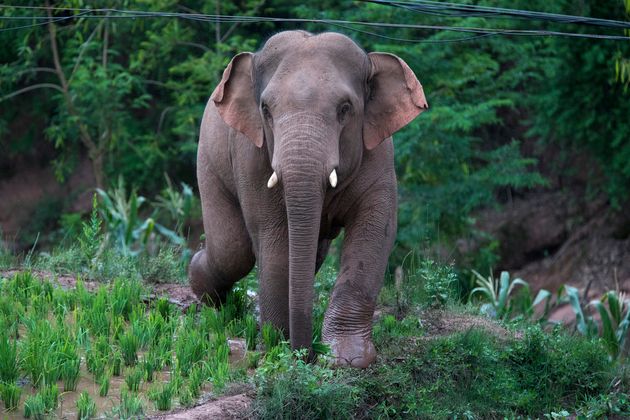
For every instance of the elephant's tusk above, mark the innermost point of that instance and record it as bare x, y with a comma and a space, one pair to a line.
273, 180
333, 178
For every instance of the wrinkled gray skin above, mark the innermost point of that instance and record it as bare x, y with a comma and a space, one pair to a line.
302, 106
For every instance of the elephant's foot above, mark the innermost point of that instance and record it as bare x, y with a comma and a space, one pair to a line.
354, 350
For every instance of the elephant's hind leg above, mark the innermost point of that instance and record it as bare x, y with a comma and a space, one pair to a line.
227, 256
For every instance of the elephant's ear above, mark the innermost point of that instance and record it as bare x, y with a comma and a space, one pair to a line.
234, 98
396, 98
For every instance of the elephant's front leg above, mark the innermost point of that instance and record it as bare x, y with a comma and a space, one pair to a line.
273, 279
369, 239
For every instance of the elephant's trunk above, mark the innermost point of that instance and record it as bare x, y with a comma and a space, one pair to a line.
303, 161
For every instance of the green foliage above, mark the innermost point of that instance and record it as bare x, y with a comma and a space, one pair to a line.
90, 239
271, 336
189, 349
70, 371
130, 407
86, 406
125, 227
177, 206
8, 359
34, 407
498, 292
11, 394
476, 375
163, 396
251, 332
614, 311
612, 405
439, 281
103, 385
288, 387
134, 378
585, 110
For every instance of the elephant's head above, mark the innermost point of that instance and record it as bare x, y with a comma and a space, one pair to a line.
317, 102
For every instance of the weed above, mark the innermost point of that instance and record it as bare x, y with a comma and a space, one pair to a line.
615, 405
163, 396
11, 394
438, 282
86, 407
133, 378
90, 238
167, 266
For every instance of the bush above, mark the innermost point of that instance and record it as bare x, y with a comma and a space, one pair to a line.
289, 388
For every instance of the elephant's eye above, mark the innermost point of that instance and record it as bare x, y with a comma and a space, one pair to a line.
343, 111
266, 113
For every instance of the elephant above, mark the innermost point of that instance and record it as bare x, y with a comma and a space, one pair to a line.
295, 145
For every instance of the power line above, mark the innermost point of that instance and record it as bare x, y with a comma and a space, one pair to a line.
110, 13
470, 10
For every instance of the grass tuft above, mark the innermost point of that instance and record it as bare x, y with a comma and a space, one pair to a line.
11, 394
86, 407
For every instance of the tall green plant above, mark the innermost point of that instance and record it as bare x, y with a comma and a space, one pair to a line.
498, 292
614, 312
126, 226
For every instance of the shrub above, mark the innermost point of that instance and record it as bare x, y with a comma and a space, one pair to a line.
288, 387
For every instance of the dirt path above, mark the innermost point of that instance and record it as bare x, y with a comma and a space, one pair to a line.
232, 407
178, 294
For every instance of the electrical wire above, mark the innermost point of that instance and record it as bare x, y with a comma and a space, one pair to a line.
471, 10
110, 13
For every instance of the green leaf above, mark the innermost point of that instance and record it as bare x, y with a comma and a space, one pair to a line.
608, 331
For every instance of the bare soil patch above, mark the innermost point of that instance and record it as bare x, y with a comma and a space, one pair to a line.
440, 323
230, 407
